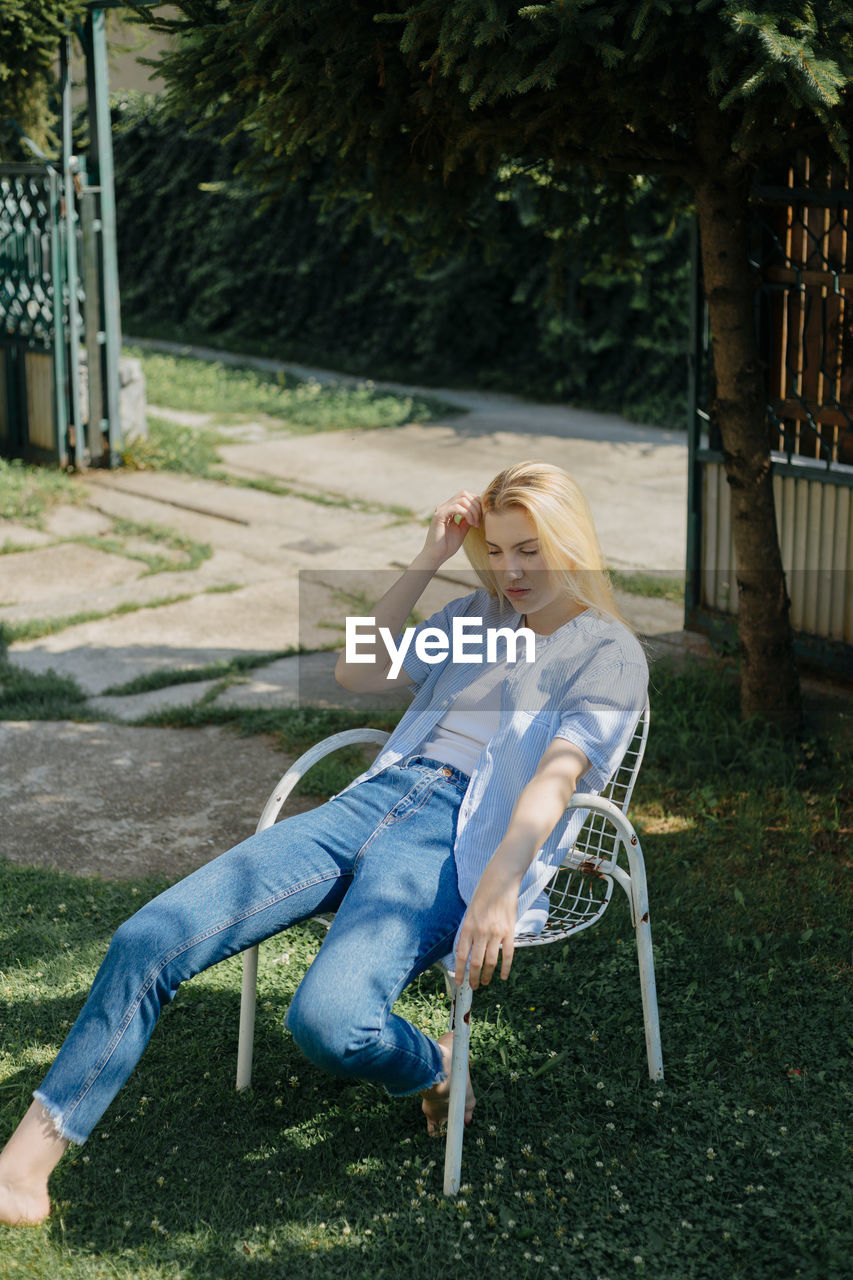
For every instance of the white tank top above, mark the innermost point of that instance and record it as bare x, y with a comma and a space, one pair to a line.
470, 721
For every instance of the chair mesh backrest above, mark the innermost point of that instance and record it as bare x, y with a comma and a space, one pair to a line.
581, 889
597, 839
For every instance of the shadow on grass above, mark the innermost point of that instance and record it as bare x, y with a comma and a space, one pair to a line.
575, 1163
307, 1175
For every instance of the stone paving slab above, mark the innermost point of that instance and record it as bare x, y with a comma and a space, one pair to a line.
98, 666
636, 489
649, 615
77, 522
304, 680
65, 577
185, 497
301, 680
132, 586
136, 706
114, 650
13, 534
268, 534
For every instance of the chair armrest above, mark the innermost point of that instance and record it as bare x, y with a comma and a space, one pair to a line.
634, 883
598, 804
300, 766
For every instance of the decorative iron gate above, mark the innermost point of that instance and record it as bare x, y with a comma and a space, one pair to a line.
53, 218
33, 380
803, 250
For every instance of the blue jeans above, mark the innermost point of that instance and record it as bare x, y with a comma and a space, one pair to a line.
380, 855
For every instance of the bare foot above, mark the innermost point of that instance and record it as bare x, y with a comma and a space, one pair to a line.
22, 1206
26, 1163
436, 1100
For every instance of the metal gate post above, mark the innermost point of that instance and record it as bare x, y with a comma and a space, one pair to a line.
76, 442
92, 290
101, 165
60, 372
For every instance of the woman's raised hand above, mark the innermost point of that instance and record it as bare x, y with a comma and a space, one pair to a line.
447, 530
449, 525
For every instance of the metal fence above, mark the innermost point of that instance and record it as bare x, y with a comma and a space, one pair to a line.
59, 401
33, 408
803, 251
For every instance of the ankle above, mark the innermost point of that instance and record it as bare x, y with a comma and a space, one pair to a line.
18, 1179
33, 1150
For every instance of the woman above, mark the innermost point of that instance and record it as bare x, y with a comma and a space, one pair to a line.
443, 844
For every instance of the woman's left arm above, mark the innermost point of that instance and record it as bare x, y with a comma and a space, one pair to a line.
490, 921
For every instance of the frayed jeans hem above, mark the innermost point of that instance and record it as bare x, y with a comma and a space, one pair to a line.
438, 1078
60, 1128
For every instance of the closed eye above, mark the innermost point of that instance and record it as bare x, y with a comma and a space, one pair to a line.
496, 551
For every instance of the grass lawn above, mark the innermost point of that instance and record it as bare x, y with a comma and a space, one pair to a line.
576, 1164
226, 395
225, 390
27, 492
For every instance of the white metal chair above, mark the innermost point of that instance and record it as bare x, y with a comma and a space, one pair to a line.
578, 897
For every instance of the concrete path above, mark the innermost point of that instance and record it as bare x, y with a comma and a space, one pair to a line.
285, 567
634, 476
242, 572
121, 803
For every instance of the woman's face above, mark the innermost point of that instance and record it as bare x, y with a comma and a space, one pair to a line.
516, 560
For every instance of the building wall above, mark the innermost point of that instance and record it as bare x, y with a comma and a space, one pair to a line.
128, 41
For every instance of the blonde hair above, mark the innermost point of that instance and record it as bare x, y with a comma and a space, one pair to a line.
564, 526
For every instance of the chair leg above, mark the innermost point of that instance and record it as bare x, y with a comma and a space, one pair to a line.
461, 1027
248, 996
650, 1002
450, 984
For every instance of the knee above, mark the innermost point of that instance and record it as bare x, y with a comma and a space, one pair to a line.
133, 938
139, 948
324, 1028
146, 933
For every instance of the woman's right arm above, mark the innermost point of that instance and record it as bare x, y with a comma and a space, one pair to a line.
448, 527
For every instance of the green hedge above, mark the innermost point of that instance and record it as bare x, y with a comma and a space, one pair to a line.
583, 299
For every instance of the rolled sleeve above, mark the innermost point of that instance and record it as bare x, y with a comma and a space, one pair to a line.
601, 713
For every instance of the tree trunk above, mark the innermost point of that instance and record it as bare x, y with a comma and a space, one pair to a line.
769, 682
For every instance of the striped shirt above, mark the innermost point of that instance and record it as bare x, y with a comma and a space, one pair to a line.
587, 684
